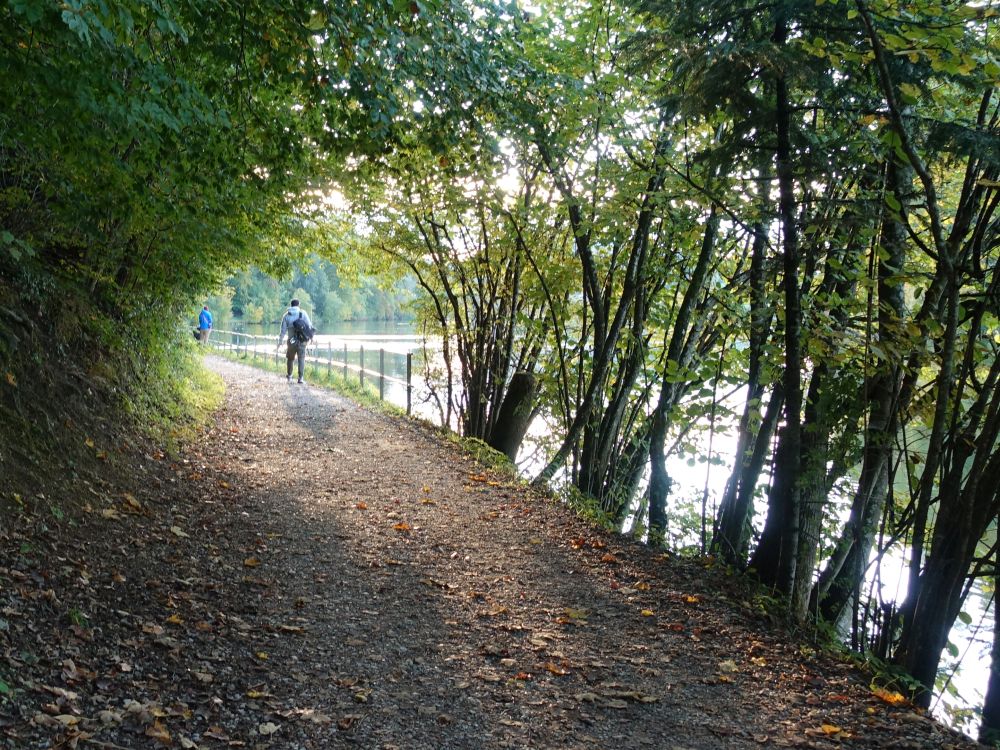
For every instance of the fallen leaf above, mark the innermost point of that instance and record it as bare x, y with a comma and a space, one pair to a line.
830, 729
362, 505
251, 562
158, 732
402, 526
267, 728
178, 531
889, 696
348, 721
647, 613
555, 669
11, 380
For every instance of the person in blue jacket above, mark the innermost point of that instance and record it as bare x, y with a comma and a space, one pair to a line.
296, 348
204, 324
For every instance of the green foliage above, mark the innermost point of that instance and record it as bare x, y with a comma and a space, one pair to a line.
259, 298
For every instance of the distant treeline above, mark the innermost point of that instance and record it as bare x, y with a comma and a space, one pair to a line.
255, 297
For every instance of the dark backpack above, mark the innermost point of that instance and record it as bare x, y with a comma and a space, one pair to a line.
302, 330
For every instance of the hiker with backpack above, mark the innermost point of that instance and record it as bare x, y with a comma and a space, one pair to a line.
204, 325
300, 331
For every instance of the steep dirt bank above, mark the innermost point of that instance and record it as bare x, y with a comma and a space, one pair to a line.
312, 575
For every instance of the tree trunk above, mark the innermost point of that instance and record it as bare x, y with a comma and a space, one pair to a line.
989, 727
733, 540
732, 533
679, 353
775, 557
842, 576
515, 415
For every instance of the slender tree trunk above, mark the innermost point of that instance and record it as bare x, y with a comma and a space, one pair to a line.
680, 342
989, 727
731, 538
775, 557
839, 580
734, 528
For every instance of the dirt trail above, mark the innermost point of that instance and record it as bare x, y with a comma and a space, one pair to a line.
320, 576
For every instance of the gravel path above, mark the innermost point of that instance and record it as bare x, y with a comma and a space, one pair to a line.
315, 575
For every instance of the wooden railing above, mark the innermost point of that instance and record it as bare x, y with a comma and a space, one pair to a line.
251, 346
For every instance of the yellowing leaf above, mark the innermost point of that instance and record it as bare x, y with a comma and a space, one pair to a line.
555, 669
642, 586
262, 655
11, 380
251, 562
131, 500
889, 696
89, 443
607, 557
691, 599
362, 505
158, 732
647, 613
830, 729
402, 526
175, 619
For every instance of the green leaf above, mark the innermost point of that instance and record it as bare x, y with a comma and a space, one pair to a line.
965, 617
317, 21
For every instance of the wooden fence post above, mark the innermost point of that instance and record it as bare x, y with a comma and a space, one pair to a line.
409, 383
381, 374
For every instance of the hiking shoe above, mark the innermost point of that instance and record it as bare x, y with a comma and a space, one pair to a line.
301, 381
288, 378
